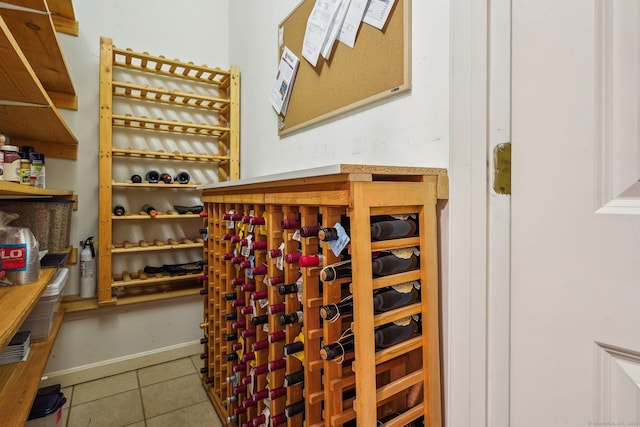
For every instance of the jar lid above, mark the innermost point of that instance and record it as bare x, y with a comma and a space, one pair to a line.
10, 148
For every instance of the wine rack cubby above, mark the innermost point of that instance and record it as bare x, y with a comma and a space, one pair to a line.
166, 128
268, 283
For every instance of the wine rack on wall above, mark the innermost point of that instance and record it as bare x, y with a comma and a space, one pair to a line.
267, 336
166, 128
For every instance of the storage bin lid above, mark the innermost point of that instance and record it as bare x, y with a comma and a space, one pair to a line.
46, 404
56, 285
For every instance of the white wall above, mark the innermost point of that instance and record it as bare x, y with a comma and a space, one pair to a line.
409, 129
193, 30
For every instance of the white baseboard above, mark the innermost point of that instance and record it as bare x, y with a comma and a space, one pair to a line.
94, 371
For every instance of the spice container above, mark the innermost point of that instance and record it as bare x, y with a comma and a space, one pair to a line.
25, 169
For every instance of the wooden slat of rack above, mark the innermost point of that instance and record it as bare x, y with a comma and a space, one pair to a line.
127, 152
146, 93
21, 380
145, 123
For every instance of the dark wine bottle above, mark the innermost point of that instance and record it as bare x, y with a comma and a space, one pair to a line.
231, 357
231, 337
259, 320
332, 311
393, 229
294, 378
230, 296
288, 319
291, 288
335, 271
204, 370
149, 210
338, 349
118, 210
204, 340
294, 409
293, 347
327, 234
391, 264
390, 299
391, 334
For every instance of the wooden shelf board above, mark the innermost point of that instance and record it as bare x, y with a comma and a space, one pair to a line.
21, 380
16, 302
155, 280
189, 157
157, 296
73, 303
14, 189
36, 36
152, 248
163, 96
158, 185
145, 123
64, 18
159, 216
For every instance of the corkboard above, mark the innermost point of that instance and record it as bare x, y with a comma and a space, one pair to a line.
378, 66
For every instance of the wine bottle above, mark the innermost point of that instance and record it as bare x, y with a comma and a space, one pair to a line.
290, 224
259, 420
335, 271
150, 210
260, 345
228, 256
390, 264
258, 295
204, 291
328, 234
259, 370
274, 365
279, 419
239, 389
204, 340
276, 280
209, 380
231, 337
248, 287
291, 288
231, 357
291, 318
333, 311
248, 333
231, 316
237, 346
294, 409
391, 334
275, 253
309, 231
118, 210
292, 257
294, 378
276, 336
277, 392
239, 324
393, 229
310, 260
240, 367
277, 308
259, 270
390, 299
204, 370
338, 349
247, 357
293, 347
259, 320
247, 309
230, 296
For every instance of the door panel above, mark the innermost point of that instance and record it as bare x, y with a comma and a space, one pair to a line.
575, 270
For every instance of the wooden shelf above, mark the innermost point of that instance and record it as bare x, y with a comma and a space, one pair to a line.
159, 216
158, 185
16, 302
173, 97
185, 157
30, 86
19, 190
152, 248
21, 380
155, 280
145, 123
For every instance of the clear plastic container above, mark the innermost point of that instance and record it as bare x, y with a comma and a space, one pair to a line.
41, 318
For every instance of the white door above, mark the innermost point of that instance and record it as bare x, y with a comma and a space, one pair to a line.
575, 288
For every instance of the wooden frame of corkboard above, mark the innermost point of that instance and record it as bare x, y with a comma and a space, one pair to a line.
378, 66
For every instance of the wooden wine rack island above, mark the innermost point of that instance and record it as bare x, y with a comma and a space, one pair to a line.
244, 374
198, 131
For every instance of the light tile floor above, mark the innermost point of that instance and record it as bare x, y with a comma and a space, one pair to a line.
165, 395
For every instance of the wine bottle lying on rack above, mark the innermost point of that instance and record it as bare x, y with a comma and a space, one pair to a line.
385, 336
393, 229
383, 265
385, 300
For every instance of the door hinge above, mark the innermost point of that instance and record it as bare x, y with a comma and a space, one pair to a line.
502, 168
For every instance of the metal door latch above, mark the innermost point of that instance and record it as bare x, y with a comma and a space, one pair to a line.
502, 168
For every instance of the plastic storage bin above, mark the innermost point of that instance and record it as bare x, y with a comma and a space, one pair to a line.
47, 407
44, 313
